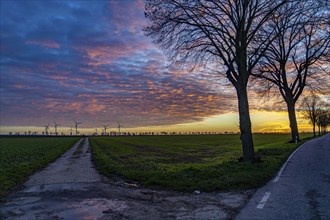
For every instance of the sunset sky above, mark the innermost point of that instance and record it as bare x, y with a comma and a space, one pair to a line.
90, 61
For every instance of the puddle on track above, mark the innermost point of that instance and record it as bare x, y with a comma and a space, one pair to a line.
91, 209
86, 209
109, 201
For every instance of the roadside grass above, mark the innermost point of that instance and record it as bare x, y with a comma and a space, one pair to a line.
22, 156
188, 163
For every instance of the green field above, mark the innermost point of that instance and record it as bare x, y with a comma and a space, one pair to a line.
22, 156
184, 163
187, 163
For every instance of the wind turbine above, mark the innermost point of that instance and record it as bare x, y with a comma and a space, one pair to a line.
46, 129
119, 126
71, 131
55, 126
76, 126
105, 129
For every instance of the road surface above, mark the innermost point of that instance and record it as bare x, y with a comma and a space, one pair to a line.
301, 190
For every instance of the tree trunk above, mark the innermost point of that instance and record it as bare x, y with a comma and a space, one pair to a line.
314, 130
293, 121
245, 125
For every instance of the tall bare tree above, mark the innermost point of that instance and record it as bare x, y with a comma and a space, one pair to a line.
219, 33
299, 53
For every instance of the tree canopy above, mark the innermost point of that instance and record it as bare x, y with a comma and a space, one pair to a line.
296, 56
223, 33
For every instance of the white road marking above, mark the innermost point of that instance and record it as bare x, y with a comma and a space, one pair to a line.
263, 200
285, 164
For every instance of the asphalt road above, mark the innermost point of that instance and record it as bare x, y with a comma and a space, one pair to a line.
301, 190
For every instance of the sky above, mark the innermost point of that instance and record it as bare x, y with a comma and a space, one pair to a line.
90, 61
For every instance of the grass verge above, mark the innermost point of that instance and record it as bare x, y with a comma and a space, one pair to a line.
187, 163
22, 156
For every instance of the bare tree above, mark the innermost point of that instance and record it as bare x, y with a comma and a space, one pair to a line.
218, 33
299, 53
323, 118
310, 109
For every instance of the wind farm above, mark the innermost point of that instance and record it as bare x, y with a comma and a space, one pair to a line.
115, 128
74, 129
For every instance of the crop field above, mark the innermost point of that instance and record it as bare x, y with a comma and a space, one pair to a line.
22, 156
188, 163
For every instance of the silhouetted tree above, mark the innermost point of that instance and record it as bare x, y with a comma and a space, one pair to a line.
323, 119
218, 33
299, 53
311, 109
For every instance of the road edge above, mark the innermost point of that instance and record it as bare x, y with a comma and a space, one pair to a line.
279, 173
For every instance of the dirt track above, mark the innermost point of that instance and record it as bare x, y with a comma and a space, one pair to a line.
70, 188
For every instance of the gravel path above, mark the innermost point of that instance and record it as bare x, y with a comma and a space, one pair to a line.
70, 188
75, 166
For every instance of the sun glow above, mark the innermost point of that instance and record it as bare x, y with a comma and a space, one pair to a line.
262, 122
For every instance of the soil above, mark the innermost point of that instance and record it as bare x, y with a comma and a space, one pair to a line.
71, 188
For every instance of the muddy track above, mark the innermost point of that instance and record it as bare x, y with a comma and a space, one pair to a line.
71, 188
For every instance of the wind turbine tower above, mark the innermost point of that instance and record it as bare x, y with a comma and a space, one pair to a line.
76, 126
119, 126
105, 129
46, 129
55, 126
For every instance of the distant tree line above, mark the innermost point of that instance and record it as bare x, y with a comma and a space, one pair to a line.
317, 111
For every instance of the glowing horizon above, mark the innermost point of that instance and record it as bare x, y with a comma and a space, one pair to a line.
225, 123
